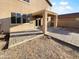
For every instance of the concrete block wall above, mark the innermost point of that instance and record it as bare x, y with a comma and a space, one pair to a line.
5, 24
68, 22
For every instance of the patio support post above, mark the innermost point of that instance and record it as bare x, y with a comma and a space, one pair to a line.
44, 22
56, 21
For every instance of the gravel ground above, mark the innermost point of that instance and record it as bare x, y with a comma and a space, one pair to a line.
14, 40
40, 48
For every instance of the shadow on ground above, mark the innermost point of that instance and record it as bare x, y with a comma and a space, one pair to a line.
65, 44
59, 31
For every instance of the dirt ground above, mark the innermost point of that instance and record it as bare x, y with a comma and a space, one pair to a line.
40, 48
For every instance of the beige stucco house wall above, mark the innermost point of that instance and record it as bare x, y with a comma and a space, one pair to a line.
19, 6
8, 6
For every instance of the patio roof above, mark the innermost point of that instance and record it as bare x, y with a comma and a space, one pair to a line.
40, 13
45, 14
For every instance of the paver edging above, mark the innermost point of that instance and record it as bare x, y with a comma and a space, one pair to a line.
26, 40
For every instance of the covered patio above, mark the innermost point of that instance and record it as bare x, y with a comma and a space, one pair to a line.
47, 19
54, 31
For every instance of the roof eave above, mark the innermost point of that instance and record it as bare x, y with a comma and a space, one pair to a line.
49, 3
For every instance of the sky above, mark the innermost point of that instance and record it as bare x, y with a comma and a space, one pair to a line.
65, 6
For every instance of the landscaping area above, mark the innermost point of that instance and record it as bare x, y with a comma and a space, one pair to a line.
41, 48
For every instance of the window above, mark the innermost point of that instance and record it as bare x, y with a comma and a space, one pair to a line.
13, 17
29, 16
26, 0
17, 18
24, 18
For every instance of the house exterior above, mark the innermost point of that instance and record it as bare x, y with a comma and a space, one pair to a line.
26, 14
70, 20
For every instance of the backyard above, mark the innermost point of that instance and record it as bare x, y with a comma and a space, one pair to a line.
41, 48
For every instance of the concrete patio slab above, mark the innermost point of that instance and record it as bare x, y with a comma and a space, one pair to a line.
17, 37
63, 35
19, 40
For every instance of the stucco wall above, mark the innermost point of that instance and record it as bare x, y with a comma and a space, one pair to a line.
8, 6
18, 6
23, 27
